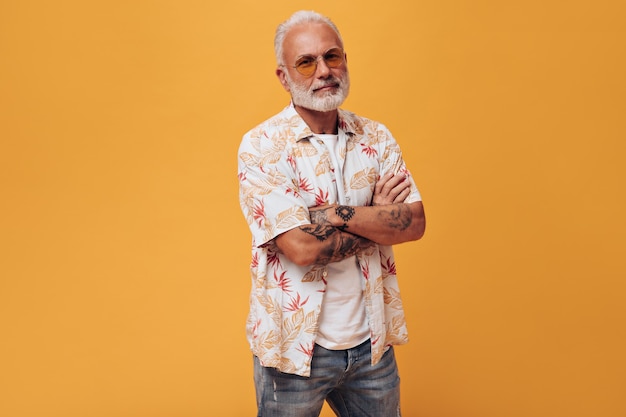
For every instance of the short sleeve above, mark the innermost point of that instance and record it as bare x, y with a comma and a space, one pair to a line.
392, 161
267, 191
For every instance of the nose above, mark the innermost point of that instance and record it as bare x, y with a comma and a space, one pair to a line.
322, 70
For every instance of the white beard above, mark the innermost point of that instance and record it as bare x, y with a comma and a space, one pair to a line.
323, 102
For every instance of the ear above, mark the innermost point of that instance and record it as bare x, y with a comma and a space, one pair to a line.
280, 73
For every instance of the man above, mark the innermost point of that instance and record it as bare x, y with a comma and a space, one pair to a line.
325, 193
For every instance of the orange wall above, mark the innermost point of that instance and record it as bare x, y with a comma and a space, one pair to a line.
124, 256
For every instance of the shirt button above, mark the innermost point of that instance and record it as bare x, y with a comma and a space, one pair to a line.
347, 198
325, 273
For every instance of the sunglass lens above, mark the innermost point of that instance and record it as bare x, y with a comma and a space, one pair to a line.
306, 65
334, 57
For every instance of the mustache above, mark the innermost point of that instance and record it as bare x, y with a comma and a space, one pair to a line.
326, 83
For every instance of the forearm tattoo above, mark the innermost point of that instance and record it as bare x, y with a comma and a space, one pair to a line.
342, 246
397, 217
319, 217
319, 231
337, 245
345, 213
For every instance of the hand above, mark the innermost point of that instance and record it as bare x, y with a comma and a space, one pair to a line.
391, 189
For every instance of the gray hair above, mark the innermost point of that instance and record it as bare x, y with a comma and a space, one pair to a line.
300, 17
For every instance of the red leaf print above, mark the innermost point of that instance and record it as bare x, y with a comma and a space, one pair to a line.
259, 213
292, 161
304, 185
295, 190
389, 266
273, 259
321, 197
368, 150
283, 282
255, 328
307, 350
366, 270
296, 303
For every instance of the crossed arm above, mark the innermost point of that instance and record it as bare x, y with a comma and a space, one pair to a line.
337, 232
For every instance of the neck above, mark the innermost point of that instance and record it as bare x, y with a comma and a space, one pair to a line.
319, 122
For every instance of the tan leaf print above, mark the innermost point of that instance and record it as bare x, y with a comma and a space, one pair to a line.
378, 285
270, 232
269, 340
270, 158
310, 325
279, 140
271, 306
323, 166
276, 178
286, 365
291, 217
292, 122
314, 274
249, 158
291, 328
372, 138
363, 179
392, 298
255, 138
267, 184
396, 331
305, 149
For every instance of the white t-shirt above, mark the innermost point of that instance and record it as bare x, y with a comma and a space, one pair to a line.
343, 320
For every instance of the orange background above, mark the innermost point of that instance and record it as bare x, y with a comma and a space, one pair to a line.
124, 255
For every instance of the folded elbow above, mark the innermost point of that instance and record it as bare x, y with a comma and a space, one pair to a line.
300, 248
419, 228
299, 255
415, 232
302, 259
419, 231
418, 224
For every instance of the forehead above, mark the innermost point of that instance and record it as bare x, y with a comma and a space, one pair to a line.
310, 39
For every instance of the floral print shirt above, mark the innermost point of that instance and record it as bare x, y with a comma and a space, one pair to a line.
283, 170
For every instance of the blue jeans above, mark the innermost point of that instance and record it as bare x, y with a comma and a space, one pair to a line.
344, 378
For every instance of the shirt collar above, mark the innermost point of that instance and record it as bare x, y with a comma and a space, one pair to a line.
302, 130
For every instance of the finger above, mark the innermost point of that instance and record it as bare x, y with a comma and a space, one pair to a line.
382, 181
384, 186
379, 184
392, 183
401, 184
402, 196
